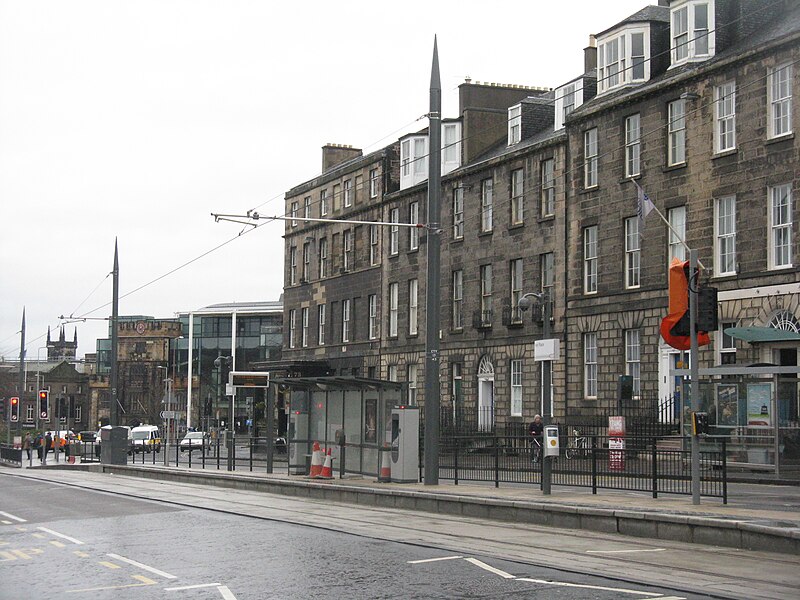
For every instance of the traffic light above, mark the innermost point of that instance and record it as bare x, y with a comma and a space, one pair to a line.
699, 423
675, 326
14, 409
44, 404
707, 319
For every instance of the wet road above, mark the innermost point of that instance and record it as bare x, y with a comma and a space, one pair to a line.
70, 542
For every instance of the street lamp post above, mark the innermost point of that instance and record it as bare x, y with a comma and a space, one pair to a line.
524, 304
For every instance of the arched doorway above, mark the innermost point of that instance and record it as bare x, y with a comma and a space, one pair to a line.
485, 395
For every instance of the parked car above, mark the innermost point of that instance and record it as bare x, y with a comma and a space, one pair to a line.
87, 436
195, 440
146, 438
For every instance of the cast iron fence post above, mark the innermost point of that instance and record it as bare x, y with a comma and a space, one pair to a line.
594, 464
456, 447
496, 462
655, 469
724, 472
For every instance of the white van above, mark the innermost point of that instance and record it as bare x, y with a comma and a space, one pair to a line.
97, 439
146, 438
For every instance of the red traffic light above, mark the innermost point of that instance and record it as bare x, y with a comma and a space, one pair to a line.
14, 401
14, 409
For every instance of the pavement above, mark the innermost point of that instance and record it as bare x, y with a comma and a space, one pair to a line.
757, 517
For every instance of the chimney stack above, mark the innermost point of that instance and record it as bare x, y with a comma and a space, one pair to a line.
336, 154
590, 55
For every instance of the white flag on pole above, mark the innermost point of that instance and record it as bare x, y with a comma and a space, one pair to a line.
643, 206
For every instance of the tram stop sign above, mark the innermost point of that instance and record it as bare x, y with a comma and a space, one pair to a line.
249, 379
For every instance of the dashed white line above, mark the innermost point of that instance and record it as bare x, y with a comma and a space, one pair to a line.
483, 565
429, 560
12, 517
589, 587
191, 587
61, 535
625, 551
226, 593
144, 567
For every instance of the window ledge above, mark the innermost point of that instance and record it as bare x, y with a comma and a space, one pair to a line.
546, 218
413, 250
636, 177
724, 276
457, 331
725, 153
674, 167
514, 226
589, 190
457, 240
778, 139
486, 233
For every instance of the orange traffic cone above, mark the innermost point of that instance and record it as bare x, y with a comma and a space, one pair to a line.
316, 461
327, 468
386, 467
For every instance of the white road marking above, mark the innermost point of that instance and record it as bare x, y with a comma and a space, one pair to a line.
191, 587
428, 560
589, 587
625, 551
4, 522
61, 535
141, 566
226, 593
12, 517
491, 569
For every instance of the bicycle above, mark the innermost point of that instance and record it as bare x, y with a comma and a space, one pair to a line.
536, 450
578, 446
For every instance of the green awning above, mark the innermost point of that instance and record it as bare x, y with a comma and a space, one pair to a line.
761, 335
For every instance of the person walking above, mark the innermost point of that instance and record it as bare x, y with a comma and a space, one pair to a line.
48, 444
26, 445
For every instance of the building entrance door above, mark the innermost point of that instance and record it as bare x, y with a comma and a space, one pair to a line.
485, 395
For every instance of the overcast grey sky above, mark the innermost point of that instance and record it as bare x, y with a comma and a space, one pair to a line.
136, 119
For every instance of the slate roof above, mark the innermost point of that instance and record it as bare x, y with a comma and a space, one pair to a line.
646, 15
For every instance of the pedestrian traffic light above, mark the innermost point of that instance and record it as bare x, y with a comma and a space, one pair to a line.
675, 326
44, 404
699, 423
14, 409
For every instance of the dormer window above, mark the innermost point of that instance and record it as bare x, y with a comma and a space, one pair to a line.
514, 124
567, 98
413, 160
691, 31
622, 58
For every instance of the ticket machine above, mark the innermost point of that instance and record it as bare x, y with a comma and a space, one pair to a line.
551, 445
297, 432
405, 444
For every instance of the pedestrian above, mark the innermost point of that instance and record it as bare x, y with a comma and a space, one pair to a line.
48, 444
26, 445
37, 443
535, 431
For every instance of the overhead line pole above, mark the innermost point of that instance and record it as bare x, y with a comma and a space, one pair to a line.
432, 391
114, 416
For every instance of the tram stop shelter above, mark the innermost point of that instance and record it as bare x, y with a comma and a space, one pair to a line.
350, 414
755, 409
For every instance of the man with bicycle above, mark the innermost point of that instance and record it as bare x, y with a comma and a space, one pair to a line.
535, 432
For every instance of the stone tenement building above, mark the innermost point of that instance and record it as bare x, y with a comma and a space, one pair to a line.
692, 99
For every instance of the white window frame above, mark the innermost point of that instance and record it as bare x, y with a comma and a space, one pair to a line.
633, 146
295, 208
616, 63
304, 327
548, 203
451, 147
292, 323
726, 345
394, 232
405, 158
690, 40
391, 373
373, 183
29, 413
516, 387
590, 364
487, 202
394, 290
323, 202
633, 357
590, 154
374, 254
321, 318
725, 117
324, 271
458, 213
633, 253
411, 378
420, 166
516, 275
677, 221
517, 196
373, 316
486, 294
336, 197
305, 274
458, 299
413, 232
780, 226
347, 249
292, 265
413, 303
348, 193
568, 97
590, 258
676, 151
725, 236
779, 101
547, 274
347, 306
514, 124
307, 207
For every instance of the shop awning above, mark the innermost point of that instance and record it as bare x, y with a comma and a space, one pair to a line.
762, 335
